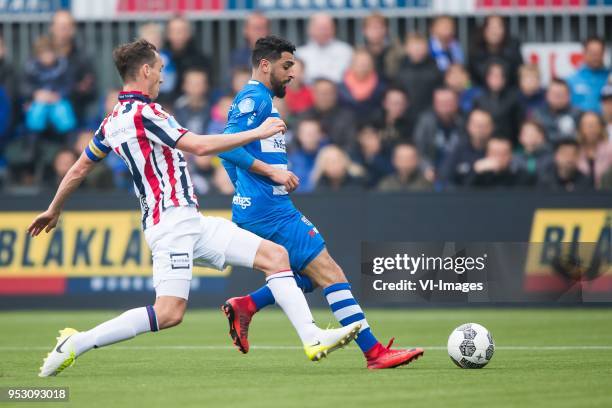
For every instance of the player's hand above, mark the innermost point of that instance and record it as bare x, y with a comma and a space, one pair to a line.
286, 178
270, 127
44, 221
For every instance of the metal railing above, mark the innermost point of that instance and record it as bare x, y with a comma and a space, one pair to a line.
218, 34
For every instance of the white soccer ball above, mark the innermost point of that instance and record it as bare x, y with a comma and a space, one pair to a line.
471, 346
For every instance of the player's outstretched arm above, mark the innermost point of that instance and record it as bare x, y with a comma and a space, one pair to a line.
202, 145
71, 181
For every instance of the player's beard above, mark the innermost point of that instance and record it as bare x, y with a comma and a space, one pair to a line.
278, 87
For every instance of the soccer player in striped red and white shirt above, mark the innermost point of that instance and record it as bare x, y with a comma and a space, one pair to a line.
150, 142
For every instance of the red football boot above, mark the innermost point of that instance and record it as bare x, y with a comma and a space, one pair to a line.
239, 312
385, 357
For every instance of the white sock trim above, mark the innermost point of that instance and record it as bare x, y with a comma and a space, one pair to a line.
283, 274
338, 296
345, 312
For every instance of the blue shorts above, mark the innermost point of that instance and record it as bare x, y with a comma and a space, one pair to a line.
293, 231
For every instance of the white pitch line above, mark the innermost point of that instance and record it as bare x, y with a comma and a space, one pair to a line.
281, 347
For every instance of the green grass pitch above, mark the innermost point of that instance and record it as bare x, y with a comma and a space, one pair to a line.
544, 358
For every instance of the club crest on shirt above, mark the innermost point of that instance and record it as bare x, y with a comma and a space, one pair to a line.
246, 105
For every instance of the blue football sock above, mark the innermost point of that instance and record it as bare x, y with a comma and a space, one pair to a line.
262, 297
304, 283
346, 310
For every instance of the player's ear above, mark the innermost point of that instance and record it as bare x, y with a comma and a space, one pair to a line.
146, 70
264, 66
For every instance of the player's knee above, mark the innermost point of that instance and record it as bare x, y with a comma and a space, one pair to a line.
168, 313
169, 318
272, 258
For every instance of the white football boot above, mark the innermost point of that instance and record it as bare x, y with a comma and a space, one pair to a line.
61, 357
330, 340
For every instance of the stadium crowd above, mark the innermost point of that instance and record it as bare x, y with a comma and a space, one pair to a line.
422, 114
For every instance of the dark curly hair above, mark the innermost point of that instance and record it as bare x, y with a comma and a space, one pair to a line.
271, 49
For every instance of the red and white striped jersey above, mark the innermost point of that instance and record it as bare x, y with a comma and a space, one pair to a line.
145, 136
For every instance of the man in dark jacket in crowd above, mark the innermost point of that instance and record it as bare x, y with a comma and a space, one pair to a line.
496, 169
501, 101
459, 165
407, 175
418, 73
395, 119
256, 26
180, 53
338, 122
440, 130
563, 173
558, 117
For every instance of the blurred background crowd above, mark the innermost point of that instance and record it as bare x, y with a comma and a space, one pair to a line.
419, 113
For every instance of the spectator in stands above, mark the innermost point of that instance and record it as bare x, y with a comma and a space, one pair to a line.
180, 53
324, 56
153, 33
298, 95
192, 109
458, 79
46, 89
494, 43
362, 88
202, 172
444, 47
8, 94
557, 116
334, 171
309, 141
502, 102
563, 173
394, 119
121, 175
534, 155
387, 53
531, 96
240, 77
62, 162
496, 169
439, 131
606, 108
459, 164
591, 77
101, 176
595, 147
372, 156
606, 180
221, 183
338, 122
218, 115
256, 26
407, 175
418, 73
81, 72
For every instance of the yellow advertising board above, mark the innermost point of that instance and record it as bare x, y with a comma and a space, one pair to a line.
85, 243
570, 245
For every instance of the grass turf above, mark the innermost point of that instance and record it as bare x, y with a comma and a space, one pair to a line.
544, 358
